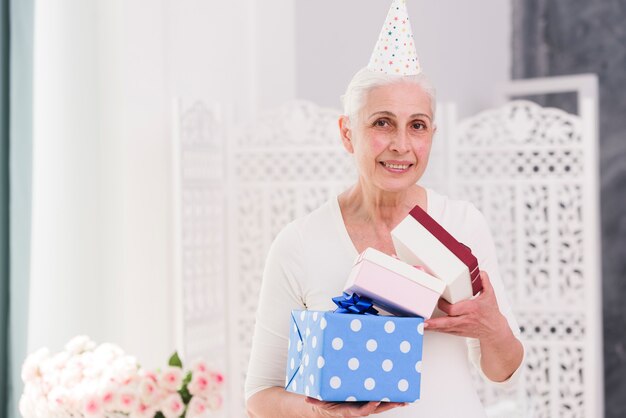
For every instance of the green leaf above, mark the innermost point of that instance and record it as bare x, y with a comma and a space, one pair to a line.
175, 361
184, 393
159, 415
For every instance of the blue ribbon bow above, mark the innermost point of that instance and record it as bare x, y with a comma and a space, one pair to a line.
354, 304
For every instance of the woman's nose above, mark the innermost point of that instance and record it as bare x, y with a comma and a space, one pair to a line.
400, 142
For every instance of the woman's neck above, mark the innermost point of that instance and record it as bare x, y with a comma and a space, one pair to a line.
368, 204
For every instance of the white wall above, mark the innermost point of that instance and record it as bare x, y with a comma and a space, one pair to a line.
239, 54
464, 47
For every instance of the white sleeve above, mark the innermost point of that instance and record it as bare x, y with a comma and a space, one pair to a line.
483, 247
280, 293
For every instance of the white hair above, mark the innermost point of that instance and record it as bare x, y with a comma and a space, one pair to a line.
365, 80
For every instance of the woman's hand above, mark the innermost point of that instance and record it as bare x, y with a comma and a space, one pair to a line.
501, 352
351, 409
476, 318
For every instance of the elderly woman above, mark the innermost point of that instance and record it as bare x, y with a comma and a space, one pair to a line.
388, 126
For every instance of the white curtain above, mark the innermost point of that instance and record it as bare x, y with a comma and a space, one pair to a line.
101, 195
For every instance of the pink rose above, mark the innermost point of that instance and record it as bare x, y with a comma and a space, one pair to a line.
148, 374
92, 407
143, 411
199, 366
171, 378
197, 407
217, 377
200, 383
148, 390
214, 401
108, 398
172, 406
127, 401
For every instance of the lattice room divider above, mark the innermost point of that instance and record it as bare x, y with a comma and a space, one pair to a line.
233, 196
533, 172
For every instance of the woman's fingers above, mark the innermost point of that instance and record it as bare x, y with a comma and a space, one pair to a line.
484, 277
352, 409
386, 406
449, 324
479, 317
456, 309
343, 409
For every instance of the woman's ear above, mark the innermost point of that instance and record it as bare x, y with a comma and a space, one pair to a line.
346, 133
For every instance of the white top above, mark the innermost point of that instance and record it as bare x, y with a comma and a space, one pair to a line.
309, 263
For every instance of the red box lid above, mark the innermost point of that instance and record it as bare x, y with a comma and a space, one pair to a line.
461, 251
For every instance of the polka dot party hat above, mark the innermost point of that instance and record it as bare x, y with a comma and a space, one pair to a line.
395, 51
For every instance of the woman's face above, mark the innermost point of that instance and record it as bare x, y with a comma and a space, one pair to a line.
392, 136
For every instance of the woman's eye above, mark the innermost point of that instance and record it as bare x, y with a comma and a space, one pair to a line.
381, 123
419, 126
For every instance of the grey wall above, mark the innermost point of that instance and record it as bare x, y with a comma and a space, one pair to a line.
558, 37
464, 47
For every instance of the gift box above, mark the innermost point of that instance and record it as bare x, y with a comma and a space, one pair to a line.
349, 357
420, 240
393, 285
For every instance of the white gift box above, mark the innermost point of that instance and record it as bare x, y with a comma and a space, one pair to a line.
420, 240
393, 285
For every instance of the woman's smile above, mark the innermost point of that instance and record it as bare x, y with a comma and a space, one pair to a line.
396, 167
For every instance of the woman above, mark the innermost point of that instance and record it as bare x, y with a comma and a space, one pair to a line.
388, 126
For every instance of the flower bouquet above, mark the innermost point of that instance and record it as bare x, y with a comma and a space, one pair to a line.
101, 381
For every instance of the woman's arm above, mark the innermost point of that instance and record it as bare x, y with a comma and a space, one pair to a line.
278, 403
280, 293
501, 354
494, 343
480, 318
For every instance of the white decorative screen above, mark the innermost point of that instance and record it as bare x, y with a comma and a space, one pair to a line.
285, 166
200, 234
525, 167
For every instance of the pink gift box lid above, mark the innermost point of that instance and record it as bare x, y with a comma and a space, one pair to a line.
400, 267
393, 285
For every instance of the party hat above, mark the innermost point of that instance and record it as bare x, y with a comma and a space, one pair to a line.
395, 51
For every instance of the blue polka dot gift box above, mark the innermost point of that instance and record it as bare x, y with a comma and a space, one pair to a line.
351, 357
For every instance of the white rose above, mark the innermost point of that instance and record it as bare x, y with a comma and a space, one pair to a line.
59, 396
107, 352
70, 376
55, 363
32, 364
79, 344
40, 407
27, 407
